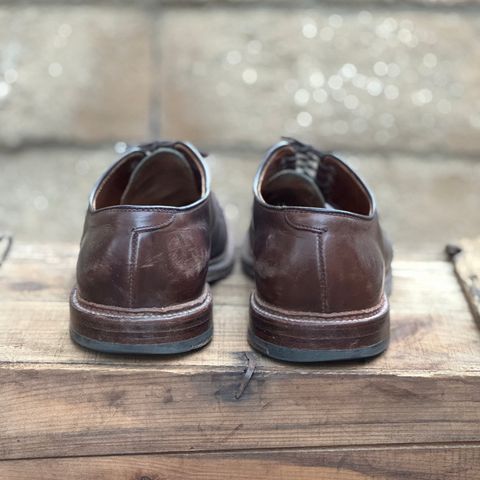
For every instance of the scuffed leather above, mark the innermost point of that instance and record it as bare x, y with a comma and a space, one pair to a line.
147, 256
316, 259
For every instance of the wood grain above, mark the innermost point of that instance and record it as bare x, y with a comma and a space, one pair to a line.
58, 400
466, 263
63, 411
421, 463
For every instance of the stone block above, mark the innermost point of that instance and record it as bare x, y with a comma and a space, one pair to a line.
79, 74
359, 80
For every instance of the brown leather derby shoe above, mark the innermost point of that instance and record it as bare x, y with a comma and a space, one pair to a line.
154, 235
320, 260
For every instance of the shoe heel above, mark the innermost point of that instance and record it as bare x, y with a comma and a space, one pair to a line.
301, 337
177, 329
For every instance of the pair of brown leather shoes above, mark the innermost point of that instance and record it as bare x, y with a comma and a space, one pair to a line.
155, 236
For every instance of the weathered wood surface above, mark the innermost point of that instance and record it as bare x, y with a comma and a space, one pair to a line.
466, 260
58, 400
399, 463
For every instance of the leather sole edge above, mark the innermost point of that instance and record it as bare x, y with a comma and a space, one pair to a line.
172, 348
143, 332
298, 355
298, 338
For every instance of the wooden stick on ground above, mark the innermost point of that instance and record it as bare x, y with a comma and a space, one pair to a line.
465, 258
5, 246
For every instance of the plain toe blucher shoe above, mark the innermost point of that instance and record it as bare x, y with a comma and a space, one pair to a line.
154, 236
320, 260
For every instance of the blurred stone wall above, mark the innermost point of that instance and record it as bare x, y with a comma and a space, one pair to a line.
394, 86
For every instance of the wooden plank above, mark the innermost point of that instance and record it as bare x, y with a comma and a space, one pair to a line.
63, 411
60, 400
466, 260
421, 463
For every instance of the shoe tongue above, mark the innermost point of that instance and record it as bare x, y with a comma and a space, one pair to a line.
293, 188
164, 177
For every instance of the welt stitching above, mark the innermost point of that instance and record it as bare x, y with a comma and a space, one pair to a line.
357, 319
322, 316
128, 311
328, 322
113, 314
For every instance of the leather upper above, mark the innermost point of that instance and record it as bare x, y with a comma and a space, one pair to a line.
137, 253
327, 258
